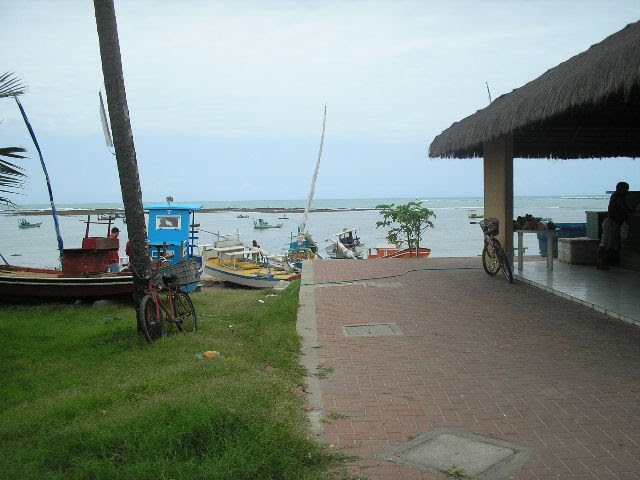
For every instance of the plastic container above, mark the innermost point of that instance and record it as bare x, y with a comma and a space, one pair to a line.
563, 230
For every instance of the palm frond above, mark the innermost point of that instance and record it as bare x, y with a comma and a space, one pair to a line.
10, 85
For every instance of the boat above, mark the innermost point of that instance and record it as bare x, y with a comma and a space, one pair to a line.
23, 223
473, 214
230, 260
346, 245
262, 224
172, 240
302, 246
284, 217
243, 216
110, 216
83, 275
391, 251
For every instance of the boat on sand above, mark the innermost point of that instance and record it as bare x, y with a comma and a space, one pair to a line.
229, 260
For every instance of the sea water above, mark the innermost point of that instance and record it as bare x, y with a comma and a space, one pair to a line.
453, 234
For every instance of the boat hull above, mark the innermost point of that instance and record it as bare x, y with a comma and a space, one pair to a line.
389, 252
34, 283
256, 279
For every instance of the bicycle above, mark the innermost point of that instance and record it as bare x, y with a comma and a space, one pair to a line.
494, 257
164, 303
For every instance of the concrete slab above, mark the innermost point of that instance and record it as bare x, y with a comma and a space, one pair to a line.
447, 450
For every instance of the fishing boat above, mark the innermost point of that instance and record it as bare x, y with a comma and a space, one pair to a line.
346, 245
83, 275
262, 224
302, 246
110, 216
172, 240
391, 251
230, 260
23, 223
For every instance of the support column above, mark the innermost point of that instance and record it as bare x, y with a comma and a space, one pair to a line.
498, 188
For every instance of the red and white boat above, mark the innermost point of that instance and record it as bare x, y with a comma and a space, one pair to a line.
391, 251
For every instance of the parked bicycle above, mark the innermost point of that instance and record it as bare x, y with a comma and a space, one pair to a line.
494, 257
164, 307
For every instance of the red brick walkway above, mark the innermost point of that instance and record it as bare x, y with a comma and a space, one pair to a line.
507, 361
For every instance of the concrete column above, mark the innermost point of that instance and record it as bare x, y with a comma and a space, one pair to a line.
498, 187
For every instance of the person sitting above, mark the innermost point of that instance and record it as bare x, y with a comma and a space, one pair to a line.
616, 215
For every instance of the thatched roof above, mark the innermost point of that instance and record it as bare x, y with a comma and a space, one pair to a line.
586, 107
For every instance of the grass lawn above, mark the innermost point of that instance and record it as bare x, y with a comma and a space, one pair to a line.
83, 397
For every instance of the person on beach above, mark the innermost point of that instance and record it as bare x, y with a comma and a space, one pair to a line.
114, 259
255, 244
616, 215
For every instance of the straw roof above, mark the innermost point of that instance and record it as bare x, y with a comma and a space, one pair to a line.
586, 107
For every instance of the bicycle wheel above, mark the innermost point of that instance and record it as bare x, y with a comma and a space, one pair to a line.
504, 263
186, 317
151, 324
490, 261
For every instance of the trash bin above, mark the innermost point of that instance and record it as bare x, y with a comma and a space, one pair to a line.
563, 230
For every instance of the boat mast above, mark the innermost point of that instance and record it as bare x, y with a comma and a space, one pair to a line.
46, 176
305, 218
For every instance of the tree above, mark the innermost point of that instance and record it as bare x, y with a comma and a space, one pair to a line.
123, 143
11, 175
408, 222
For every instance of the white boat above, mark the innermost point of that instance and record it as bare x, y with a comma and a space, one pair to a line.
230, 260
260, 224
346, 245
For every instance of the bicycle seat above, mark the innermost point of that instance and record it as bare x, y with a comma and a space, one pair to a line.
170, 279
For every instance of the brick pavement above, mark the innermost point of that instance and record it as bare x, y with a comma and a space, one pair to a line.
507, 361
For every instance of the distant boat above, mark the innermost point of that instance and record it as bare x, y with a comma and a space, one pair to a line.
283, 218
243, 216
111, 216
473, 214
23, 223
261, 224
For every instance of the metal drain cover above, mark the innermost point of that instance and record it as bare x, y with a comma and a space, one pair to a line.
476, 456
379, 330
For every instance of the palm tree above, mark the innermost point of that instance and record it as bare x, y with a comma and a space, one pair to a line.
123, 143
11, 175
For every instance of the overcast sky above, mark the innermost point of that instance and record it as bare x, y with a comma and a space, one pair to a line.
226, 97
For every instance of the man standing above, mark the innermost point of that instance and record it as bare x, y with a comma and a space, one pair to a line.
114, 260
616, 214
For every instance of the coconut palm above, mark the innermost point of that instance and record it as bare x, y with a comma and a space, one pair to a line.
123, 143
11, 175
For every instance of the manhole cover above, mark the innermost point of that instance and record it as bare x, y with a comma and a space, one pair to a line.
443, 450
378, 330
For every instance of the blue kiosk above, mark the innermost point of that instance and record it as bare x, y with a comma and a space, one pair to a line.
173, 233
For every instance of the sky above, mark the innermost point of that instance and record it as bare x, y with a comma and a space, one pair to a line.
226, 98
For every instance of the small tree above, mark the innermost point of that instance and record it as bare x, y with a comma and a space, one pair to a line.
408, 223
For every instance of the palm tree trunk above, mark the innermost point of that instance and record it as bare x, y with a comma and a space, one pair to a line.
123, 142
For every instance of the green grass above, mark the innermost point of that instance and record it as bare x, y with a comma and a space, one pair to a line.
84, 397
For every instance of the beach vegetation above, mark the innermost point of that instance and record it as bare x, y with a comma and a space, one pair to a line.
407, 222
12, 175
84, 397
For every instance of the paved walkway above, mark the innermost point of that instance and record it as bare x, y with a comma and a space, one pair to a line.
473, 354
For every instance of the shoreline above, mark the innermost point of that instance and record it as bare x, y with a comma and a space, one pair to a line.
106, 211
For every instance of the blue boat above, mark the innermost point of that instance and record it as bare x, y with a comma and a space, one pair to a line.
172, 240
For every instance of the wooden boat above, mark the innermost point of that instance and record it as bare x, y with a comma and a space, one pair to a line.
391, 251
261, 224
346, 245
23, 223
84, 275
229, 260
33, 283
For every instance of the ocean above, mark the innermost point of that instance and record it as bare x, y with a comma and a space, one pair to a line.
453, 235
